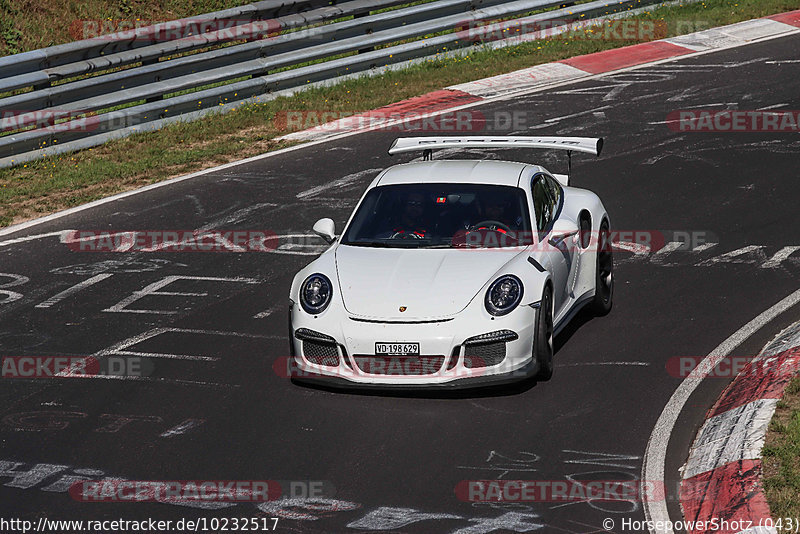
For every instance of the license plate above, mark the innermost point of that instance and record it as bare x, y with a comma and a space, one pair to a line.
396, 349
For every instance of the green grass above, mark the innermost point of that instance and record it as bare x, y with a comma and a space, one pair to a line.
60, 182
782, 457
31, 24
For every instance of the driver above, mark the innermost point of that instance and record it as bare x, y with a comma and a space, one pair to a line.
496, 210
411, 224
495, 215
497, 225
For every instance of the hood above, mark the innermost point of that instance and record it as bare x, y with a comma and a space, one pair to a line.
430, 283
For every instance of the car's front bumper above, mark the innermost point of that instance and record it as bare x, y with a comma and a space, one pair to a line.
527, 371
448, 358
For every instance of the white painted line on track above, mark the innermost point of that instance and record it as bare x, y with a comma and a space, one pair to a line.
344, 181
161, 380
55, 299
166, 356
578, 114
30, 237
121, 349
774, 106
780, 256
123, 346
182, 428
656, 451
266, 313
153, 290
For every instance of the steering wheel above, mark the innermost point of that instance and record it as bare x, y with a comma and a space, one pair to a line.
402, 234
490, 225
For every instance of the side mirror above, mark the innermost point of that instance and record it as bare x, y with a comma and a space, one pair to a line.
326, 229
562, 229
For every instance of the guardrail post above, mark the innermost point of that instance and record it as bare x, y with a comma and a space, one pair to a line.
152, 99
361, 16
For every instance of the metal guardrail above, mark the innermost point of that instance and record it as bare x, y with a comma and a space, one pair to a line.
54, 56
212, 72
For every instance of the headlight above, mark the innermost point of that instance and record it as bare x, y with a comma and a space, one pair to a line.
315, 293
503, 295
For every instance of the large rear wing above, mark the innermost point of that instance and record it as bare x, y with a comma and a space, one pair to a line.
591, 145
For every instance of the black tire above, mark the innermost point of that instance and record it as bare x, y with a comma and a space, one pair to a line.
604, 274
543, 340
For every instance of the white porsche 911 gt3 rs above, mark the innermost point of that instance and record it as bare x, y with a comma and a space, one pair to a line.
452, 272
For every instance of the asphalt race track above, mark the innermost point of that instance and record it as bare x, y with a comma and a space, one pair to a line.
214, 407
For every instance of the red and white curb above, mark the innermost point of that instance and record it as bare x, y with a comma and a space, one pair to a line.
722, 476
548, 74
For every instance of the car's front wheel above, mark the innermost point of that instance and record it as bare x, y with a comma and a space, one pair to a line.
543, 342
604, 274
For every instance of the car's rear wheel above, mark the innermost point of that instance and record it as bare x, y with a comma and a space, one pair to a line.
604, 274
543, 342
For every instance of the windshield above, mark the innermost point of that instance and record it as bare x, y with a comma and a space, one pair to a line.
441, 216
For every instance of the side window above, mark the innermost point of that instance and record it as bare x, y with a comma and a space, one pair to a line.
542, 202
555, 191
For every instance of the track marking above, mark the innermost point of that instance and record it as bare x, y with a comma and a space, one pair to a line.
161, 380
167, 356
235, 217
182, 428
303, 246
774, 106
339, 183
121, 347
266, 313
705, 247
153, 290
17, 280
666, 250
656, 451
779, 257
31, 237
55, 299
131, 341
579, 114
